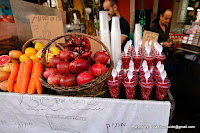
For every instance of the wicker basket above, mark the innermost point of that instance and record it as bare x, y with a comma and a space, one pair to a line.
96, 87
27, 43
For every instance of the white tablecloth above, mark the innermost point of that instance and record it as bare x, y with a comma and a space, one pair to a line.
57, 114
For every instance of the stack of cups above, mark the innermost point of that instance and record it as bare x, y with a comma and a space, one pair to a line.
137, 34
115, 40
104, 29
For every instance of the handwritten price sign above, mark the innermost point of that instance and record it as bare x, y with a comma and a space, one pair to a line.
148, 35
46, 27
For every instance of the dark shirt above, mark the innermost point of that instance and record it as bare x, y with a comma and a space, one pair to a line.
163, 37
125, 29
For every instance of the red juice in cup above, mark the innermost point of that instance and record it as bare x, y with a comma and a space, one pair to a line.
149, 60
125, 60
158, 58
161, 88
142, 77
130, 87
114, 87
146, 88
120, 76
156, 71
137, 61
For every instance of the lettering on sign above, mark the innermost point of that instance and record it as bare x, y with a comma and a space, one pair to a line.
47, 27
148, 35
112, 127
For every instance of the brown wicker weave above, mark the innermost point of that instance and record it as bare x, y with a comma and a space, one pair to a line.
27, 43
93, 88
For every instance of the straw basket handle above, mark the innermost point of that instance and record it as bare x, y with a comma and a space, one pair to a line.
74, 34
27, 43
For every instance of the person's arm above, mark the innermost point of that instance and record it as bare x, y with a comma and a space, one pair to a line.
123, 38
166, 44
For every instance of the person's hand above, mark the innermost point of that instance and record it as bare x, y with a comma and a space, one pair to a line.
167, 44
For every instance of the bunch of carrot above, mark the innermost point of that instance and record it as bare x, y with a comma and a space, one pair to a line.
24, 78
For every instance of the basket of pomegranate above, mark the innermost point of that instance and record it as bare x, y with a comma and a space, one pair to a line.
74, 71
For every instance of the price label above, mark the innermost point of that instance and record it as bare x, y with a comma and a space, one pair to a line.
148, 36
47, 27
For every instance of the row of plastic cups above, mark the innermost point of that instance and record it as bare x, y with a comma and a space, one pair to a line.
161, 86
137, 59
146, 86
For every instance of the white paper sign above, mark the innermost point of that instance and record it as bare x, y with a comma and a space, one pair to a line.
57, 114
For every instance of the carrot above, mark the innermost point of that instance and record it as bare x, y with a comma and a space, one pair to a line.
15, 87
38, 72
12, 77
19, 78
26, 75
32, 83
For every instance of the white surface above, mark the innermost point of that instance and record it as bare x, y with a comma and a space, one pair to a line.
56, 114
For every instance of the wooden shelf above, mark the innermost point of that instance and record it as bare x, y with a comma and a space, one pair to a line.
191, 44
194, 52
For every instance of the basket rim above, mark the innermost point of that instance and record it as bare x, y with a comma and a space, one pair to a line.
28, 42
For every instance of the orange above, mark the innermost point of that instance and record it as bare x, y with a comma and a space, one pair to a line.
15, 54
34, 58
23, 58
30, 51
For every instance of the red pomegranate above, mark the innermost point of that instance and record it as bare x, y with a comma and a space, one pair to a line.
101, 57
78, 66
79, 48
98, 69
54, 79
68, 81
49, 71
84, 77
54, 61
63, 67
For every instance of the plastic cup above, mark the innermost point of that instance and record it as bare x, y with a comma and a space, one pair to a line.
125, 60
156, 71
130, 87
137, 61
142, 76
113, 87
161, 88
158, 58
146, 88
149, 60
121, 75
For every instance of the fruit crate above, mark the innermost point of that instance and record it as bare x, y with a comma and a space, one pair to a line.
93, 88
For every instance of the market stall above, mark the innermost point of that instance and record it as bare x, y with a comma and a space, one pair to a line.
52, 83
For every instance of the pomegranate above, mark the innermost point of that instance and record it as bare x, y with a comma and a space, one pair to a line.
84, 77
54, 79
65, 56
79, 48
90, 61
54, 61
98, 69
63, 67
49, 71
101, 57
78, 66
68, 81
